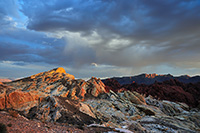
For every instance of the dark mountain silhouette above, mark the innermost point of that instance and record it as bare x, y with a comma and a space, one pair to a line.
152, 78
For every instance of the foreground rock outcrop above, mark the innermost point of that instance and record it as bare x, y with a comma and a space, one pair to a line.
55, 96
52, 96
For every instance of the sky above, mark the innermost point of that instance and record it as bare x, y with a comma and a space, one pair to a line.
101, 38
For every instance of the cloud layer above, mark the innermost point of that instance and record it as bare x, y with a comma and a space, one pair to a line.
124, 37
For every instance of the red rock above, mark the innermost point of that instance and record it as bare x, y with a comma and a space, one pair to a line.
19, 100
112, 84
2, 103
3, 90
171, 90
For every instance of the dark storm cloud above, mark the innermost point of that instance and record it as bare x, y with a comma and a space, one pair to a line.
142, 17
169, 30
8, 7
19, 44
131, 33
30, 46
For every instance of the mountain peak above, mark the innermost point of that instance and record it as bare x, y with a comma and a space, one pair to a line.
60, 70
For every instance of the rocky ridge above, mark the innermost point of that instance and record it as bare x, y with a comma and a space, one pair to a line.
172, 90
55, 96
149, 79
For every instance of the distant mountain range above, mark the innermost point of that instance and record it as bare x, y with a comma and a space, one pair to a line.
152, 78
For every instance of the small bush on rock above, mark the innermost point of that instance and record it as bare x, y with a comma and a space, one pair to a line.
3, 128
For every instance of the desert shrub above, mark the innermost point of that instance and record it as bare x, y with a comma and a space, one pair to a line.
3, 128
9, 125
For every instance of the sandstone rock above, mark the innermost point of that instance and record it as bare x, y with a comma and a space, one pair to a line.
134, 97
96, 87
2, 103
80, 89
20, 101
4, 89
2, 96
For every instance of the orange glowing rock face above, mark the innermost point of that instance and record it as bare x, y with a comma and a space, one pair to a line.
150, 75
60, 70
98, 86
18, 100
60, 88
82, 92
55, 73
26, 93
2, 103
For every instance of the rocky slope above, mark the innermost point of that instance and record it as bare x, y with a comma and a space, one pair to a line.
55, 96
152, 78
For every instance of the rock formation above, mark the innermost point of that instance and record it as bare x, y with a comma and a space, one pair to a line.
56, 96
